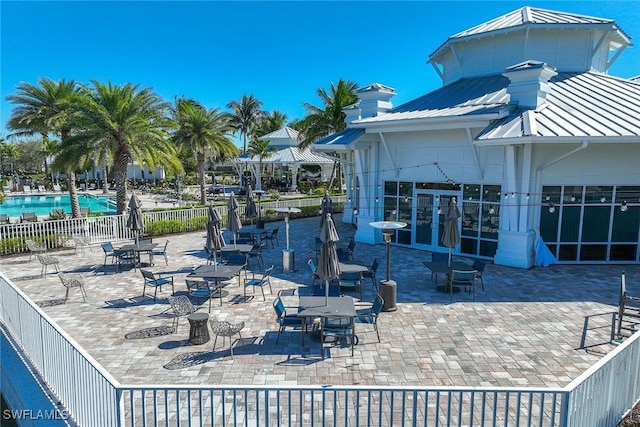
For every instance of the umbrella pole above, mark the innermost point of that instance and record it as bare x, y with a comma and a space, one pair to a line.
450, 249
326, 293
234, 240
215, 260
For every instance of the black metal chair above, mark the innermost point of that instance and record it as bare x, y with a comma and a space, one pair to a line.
371, 273
479, 267
464, 279
369, 315
256, 253
272, 236
284, 319
265, 280
156, 282
203, 289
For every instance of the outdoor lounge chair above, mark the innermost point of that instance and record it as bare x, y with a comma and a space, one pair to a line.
57, 188
150, 279
182, 307
26, 188
225, 330
4, 219
262, 282
71, 281
29, 217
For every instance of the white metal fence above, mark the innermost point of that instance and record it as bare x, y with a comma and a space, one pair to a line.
112, 227
600, 397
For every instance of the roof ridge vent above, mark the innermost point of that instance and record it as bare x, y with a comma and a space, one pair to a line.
529, 83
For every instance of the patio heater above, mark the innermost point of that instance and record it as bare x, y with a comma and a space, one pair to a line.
288, 255
388, 287
259, 221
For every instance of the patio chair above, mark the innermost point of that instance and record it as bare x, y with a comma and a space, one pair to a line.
29, 217
81, 242
351, 280
4, 219
337, 328
272, 236
161, 251
34, 248
109, 251
464, 279
203, 289
225, 330
350, 248
343, 255
244, 237
211, 257
85, 211
41, 189
369, 315
236, 258
47, 260
57, 188
182, 307
262, 282
284, 319
256, 253
156, 282
334, 289
26, 188
314, 272
371, 273
479, 267
71, 281
438, 257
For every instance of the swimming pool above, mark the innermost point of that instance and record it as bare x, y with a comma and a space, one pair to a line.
13, 206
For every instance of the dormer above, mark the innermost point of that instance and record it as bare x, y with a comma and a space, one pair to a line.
569, 42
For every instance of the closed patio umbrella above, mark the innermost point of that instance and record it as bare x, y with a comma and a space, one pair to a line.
451, 235
250, 210
326, 207
215, 242
233, 217
135, 221
328, 264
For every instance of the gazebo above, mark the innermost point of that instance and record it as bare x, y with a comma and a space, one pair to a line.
287, 154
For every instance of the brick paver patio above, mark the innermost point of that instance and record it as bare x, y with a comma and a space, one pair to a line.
538, 327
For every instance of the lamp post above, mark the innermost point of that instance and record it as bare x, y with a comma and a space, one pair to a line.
388, 286
259, 221
288, 255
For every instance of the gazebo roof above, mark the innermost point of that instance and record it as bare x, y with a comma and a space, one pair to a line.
288, 155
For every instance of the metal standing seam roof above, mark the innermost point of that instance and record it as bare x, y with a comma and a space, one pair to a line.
284, 133
339, 139
527, 16
586, 104
289, 155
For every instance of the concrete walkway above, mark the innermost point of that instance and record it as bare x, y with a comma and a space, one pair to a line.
538, 327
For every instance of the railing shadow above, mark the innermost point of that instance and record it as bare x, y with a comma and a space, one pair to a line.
598, 332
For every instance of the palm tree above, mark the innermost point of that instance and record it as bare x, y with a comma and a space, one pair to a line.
49, 107
246, 115
262, 149
126, 123
271, 122
200, 129
320, 122
49, 148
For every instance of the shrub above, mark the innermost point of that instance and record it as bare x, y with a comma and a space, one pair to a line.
273, 194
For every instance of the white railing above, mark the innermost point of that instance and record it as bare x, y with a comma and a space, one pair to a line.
599, 397
89, 393
112, 227
606, 391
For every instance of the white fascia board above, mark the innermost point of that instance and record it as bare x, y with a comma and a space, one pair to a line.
559, 139
431, 123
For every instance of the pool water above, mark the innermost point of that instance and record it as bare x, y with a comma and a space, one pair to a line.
14, 206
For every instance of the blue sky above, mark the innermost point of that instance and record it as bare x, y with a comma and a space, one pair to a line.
281, 52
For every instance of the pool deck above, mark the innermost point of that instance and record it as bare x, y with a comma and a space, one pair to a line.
537, 327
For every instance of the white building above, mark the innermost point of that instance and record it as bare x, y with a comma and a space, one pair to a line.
528, 132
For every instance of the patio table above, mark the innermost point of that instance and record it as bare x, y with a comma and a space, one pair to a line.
216, 273
311, 307
244, 248
137, 249
443, 267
